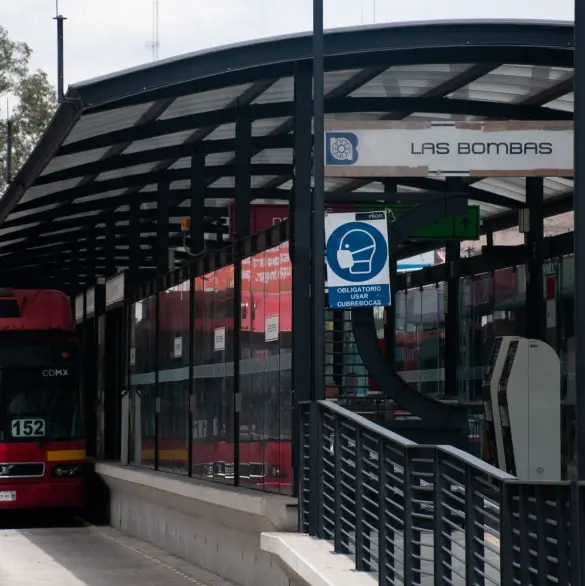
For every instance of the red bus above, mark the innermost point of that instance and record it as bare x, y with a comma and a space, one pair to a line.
42, 443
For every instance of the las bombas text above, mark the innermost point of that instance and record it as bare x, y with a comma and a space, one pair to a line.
481, 148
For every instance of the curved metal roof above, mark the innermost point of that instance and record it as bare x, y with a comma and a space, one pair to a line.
117, 135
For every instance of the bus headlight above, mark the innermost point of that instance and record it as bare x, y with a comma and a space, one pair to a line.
67, 470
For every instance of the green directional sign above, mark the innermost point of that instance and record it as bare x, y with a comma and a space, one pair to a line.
447, 228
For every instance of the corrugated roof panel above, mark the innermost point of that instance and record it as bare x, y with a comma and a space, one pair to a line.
266, 126
283, 89
68, 231
68, 161
99, 196
216, 159
82, 215
223, 131
512, 83
409, 80
151, 144
229, 182
273, 156
15, 241
40, 191
204, 101
5, 231
487, 210
16, 214
183, 184
565, 103
117, 173
212, 160
103, 122
504, 186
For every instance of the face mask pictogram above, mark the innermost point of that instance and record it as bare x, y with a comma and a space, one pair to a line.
357, 252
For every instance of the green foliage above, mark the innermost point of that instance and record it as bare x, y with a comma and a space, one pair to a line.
32, 103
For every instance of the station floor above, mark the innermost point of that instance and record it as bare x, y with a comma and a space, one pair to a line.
83, 555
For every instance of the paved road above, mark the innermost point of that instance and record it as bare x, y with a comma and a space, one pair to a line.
78, 555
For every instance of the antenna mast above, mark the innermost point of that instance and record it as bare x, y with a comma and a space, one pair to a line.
60, 75
155, 21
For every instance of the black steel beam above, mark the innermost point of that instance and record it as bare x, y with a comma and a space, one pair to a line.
579, 164
197, 203
164, 154
241, 229
452, 342
162, 227
534, 239
554, 246
300, 253
145, 197
76, 224
243, 167
335, 105
110, 246
134, 232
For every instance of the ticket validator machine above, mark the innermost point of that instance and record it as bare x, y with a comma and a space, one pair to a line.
522, 402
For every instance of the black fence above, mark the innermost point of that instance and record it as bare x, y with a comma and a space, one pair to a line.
420, 515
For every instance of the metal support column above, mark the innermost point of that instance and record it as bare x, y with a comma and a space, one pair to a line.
534, 240
318, 235
579, 246
452, 342
390, 187
74, 287
317, 273
134, 248
197, 209
162, 227
242, 229
110, 244
300, 253
90, 259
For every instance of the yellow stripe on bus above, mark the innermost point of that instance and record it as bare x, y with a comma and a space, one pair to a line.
66, 455
166, 455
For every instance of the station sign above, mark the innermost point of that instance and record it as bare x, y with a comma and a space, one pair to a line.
379, 148
358, 273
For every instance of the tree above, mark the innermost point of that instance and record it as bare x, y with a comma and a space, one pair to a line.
32, 103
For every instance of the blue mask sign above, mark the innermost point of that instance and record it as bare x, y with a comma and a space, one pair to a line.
358, 272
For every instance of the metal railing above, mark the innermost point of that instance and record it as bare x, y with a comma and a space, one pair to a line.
420, 515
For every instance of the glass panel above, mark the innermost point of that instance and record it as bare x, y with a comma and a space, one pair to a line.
142, 381
173, 381
205, 422
254, 402
284, 473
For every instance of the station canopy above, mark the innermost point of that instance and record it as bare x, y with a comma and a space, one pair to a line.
116, 136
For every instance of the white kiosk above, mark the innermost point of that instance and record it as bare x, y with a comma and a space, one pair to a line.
493, 427
523, 408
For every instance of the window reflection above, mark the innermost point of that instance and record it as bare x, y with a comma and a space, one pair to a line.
173, 385
142, 382
265, 379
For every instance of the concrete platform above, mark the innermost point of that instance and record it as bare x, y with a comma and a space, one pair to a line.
91, 556
213, 526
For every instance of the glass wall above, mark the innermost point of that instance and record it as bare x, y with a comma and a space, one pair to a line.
490, 305
142, 382
174, 346
420, 338
265, 371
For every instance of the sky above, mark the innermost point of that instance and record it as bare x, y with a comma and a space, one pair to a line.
104, 36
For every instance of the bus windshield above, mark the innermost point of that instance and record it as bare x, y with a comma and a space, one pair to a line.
39, 404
